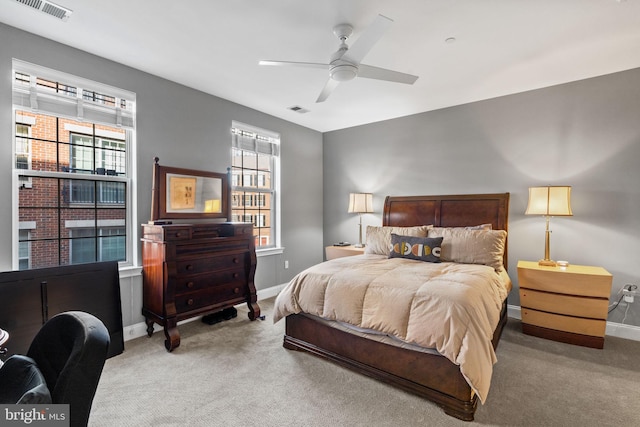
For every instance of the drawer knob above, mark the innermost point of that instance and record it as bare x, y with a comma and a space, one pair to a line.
189, 267
236, 290
236, 260
235, 275
190, 301
178, 234
190, 284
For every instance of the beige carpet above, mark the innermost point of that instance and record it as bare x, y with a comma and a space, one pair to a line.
237, 373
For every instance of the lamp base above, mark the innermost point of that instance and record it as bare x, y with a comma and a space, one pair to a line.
547, 263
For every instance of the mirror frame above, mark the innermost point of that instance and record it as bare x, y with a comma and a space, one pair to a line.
159, 202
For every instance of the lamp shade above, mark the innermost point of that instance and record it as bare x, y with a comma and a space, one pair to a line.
550, 201
360, 203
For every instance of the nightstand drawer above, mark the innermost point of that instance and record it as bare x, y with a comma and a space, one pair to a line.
573, 280
333, 252
594, 308
559, 322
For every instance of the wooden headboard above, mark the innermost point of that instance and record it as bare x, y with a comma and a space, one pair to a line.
448, 211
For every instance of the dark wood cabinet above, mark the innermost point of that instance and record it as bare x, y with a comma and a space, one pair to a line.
29, 298
195, 269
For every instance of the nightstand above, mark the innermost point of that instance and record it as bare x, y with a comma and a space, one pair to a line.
567, 304
332, 252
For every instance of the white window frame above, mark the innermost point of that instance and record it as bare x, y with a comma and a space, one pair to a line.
77, 107
276, 243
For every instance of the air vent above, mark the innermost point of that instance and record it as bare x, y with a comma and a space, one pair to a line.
48, 8
298, 109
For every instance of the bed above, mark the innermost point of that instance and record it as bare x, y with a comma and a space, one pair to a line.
448, 372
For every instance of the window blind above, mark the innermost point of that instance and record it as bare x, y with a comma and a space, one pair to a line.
245, 138
47, 91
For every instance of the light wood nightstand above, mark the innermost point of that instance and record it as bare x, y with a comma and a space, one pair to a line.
332, 252
567, 304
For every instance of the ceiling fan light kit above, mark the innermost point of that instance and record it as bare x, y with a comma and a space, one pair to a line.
343, 72
344, 64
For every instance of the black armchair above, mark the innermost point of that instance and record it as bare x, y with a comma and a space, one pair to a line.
22, 382
70, 350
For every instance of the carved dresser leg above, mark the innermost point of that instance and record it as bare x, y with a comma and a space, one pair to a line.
172, 334
149, 323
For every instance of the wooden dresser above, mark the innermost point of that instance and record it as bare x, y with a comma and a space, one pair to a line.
195, 269
567, 304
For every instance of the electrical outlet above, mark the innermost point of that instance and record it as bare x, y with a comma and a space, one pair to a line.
286, 264
629, 292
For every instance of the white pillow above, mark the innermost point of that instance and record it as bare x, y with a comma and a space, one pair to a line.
379, 238
467, 246
470, 227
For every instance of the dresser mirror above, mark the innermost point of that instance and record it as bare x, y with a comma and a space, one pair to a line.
180, 193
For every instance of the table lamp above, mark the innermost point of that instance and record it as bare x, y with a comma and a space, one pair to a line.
360, 203
549, 201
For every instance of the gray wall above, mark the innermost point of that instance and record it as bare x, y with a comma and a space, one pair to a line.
585, 134
185, 128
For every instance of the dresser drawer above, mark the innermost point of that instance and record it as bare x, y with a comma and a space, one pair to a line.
177, 233
215, 279
559, 322
228, 293
243, 230
595, 308
206, 264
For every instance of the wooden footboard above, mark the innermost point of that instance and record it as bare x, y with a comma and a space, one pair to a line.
430, 376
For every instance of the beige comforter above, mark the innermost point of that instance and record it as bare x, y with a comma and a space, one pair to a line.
453, 308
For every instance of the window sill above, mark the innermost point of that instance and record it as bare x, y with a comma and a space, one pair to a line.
130, 271
269, 251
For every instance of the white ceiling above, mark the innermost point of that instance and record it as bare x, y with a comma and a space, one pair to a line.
502, 47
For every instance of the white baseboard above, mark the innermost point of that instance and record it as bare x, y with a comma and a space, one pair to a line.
270, 292
619, 330
140, 329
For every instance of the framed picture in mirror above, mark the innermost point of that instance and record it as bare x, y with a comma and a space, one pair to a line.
180, 193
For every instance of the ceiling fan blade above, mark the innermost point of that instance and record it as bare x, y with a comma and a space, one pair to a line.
365, 42
369, 72
294, 64
327, 89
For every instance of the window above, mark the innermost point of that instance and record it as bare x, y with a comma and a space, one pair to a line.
106, 245
23, 148
24, 250
254, 178
73, 141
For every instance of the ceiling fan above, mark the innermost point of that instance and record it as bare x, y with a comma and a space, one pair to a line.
344, 64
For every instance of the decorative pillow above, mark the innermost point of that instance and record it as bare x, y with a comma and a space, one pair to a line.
418, 248
379, 238
472, 246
